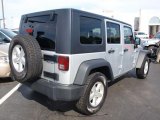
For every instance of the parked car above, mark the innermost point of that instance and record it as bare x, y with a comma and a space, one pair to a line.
154, 52
71, 55
157, 35
15, 31
149, 44
141, 35
6, 36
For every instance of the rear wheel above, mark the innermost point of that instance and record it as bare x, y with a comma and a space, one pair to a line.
143, 71
25, 58
94, 94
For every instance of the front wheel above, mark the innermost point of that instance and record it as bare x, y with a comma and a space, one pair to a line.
94, 94
143, 71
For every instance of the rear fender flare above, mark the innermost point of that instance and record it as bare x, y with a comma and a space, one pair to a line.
86, 67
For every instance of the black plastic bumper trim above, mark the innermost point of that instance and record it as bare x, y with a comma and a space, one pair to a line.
51, 75
55, 91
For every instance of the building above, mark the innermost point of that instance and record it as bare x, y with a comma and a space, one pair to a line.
149, 21
136, 24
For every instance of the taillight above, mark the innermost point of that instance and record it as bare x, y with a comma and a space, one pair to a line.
63, 63
29, 30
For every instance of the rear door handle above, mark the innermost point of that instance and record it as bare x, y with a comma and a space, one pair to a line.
111, 51
125, 50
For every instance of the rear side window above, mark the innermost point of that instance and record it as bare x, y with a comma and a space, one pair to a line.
90, 31
113, 33
128, 36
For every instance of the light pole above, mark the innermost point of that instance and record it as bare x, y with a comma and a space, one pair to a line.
0, 22
3, 14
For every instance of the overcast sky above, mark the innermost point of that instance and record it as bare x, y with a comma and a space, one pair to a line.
124, 10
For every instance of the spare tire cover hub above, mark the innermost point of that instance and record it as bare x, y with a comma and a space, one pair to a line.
18, 58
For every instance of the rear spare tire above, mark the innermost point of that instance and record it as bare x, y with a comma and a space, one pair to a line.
25, 58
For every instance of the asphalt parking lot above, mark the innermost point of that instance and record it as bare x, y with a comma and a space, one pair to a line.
128, 98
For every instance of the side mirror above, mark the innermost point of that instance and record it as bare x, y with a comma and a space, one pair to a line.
137, 41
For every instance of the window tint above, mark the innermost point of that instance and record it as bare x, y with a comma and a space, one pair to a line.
128, 36
44, 27
90, 31
46, 40
113, 33
3, 38
45, 32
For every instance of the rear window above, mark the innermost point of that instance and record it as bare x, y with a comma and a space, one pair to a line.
44, 30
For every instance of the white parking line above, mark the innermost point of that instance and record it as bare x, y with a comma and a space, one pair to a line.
5, 97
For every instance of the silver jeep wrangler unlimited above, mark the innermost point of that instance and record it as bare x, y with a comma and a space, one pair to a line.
71, 55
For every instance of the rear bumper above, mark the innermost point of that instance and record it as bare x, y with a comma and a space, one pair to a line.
56, 91
4, 70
